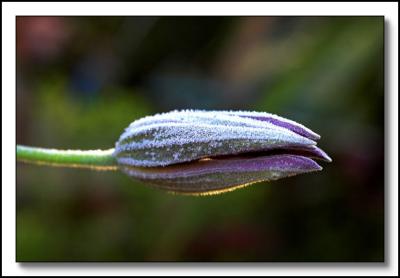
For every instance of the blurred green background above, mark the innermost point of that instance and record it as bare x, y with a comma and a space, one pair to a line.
82, 80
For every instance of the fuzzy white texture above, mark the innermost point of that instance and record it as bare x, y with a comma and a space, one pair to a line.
216, 117
183, 131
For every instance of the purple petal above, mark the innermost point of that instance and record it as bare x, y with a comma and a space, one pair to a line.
309, 151
155, 145
211, 176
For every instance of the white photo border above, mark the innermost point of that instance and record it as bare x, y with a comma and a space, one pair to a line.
387, 9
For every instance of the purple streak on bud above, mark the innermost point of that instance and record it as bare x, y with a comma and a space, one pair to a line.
279, 121
309, 151
211, 176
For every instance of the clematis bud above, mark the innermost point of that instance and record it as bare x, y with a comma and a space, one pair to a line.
204, 152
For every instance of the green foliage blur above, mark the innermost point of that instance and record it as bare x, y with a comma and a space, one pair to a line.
82, 80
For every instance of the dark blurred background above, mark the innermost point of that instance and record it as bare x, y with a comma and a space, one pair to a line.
82, 80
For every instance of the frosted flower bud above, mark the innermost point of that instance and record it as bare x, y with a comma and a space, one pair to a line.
203, 152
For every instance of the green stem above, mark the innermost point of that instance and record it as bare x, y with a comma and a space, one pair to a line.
94, 159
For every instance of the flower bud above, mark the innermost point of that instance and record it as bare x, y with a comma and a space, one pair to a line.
203, 152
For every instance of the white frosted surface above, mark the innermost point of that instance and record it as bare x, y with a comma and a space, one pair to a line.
183, 131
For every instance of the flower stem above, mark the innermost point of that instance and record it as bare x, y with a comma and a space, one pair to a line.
94, 159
